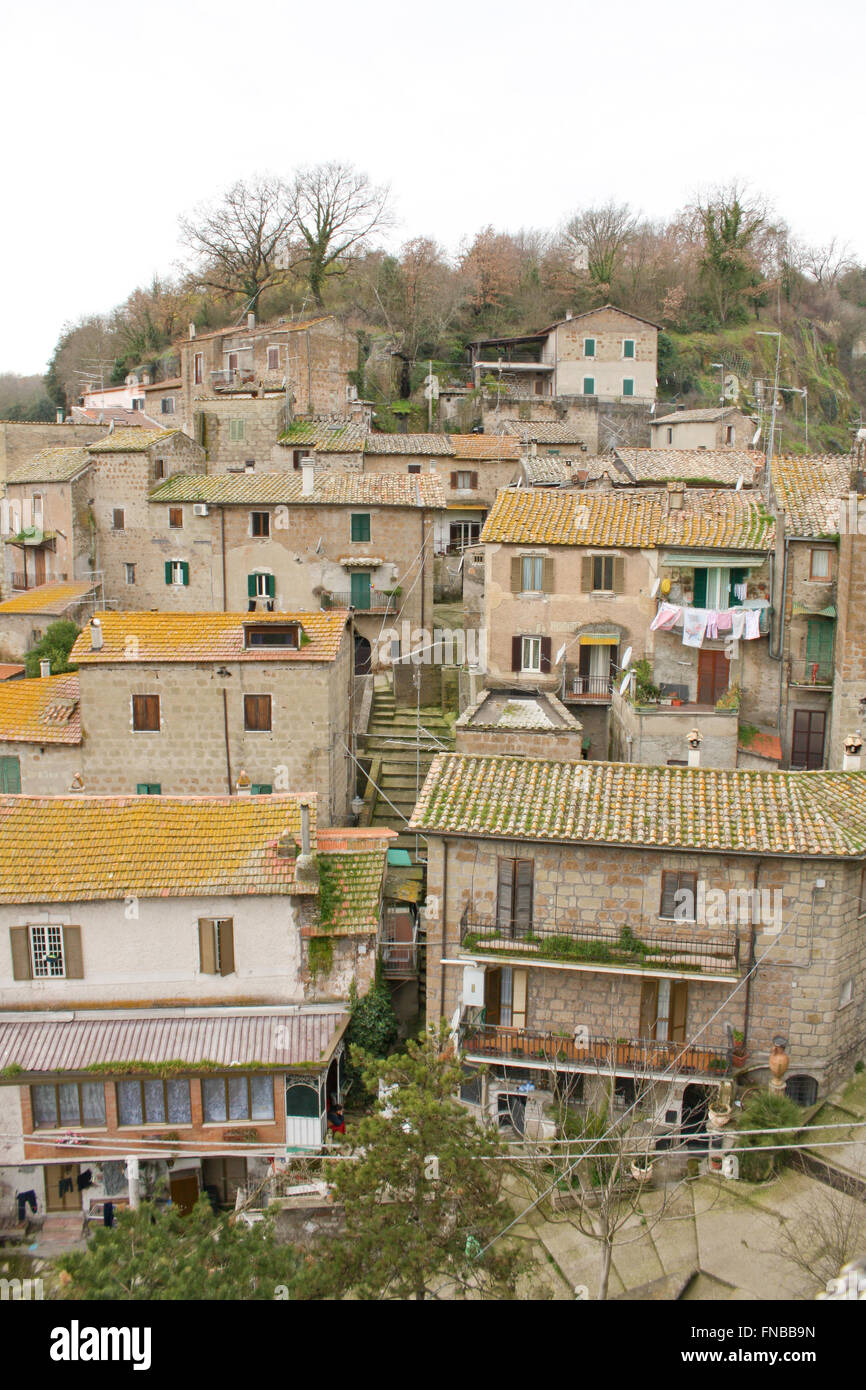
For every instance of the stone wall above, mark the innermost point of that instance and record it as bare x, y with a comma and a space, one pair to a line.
46, 769
849, 686
21, 439
260, 422
655, 735
608, 367
556, 746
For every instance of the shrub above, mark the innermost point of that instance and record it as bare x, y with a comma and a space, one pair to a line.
780, 1118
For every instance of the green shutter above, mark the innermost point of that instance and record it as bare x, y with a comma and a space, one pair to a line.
819, 645
628, 386
168, 571
184, 569
700, 600
361, 526
360, 584
272, 586
589, 347
10, 775
261, 789
149, 788
738, 576
589, 385
251, 586
628, 347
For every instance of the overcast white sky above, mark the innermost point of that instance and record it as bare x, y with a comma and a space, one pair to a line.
116, 119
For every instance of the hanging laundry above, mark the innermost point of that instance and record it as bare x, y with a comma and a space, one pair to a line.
85, 1180
666, 617
725, 622
753, 623
26, 1199
694, 626
65, 1186
712, 623
738, 618
740, 592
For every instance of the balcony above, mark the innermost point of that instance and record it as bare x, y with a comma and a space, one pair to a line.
377, 601
607, 948
566, 1051
818, 675
234, 379
586, 689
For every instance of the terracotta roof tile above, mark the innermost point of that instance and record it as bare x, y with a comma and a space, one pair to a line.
808, 491
47, 598
130, 441
740, 811
700, 415
691, 465
329, 489
544, 431
326, 436
57, 465
40, 711
485, 446
150, 636
429, 444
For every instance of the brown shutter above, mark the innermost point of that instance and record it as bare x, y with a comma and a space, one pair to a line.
453, 479
586, 574
516, 574
206, 947
649, 1001
679, 1009
227, 947
523, 894
492, 995
547, 575
516, 648
545, 655
473, 480
505, 894
73, 960
619, 574
20, 939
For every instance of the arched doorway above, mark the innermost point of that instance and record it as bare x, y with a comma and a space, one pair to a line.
363, 656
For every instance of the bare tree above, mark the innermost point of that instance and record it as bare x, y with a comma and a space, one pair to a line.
598, 238
334, 209
827, 263
826, 1232
240, 240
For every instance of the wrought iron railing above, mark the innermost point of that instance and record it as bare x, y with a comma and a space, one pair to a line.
811, 673
225, 380
375, 602
578, 687
685, 950
634, 1055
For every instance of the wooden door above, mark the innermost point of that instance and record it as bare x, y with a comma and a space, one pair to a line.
492, 997
61, 1187
714, 671
39, 560
360, 586
184, 1191
807, 742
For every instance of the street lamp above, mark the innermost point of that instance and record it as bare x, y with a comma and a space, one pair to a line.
721, 367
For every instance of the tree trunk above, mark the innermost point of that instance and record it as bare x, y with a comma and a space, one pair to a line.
606, 1254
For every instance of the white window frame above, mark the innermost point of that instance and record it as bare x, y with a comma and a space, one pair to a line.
530, 649
846, 993
46, 943
533, 565
177, 572
626, 357
591, 356
38, 505
819, 578
198, 369
467, 485
261, 578
129, 568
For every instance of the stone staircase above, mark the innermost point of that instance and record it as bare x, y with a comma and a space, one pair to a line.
401, 768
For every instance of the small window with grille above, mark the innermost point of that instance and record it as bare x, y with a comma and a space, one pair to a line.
46, 953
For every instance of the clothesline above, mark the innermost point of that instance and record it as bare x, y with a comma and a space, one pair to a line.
698, 623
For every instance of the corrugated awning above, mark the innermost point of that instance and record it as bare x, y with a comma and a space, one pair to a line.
599, 639
801, 610
707, 559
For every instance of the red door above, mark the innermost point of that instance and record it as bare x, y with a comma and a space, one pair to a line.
714, 671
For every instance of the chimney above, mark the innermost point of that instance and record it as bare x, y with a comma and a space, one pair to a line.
192, 331
568, 316
96, 638
305, 864
308, 477
243, 786
694, 740
851, 759
59, 415
676, 496
251, 323
44, 669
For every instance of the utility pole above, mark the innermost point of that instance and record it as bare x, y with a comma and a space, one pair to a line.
430, 397
721, 367
772, 432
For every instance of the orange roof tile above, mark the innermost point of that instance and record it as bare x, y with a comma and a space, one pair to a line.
147, 636
47, 598
43, 710
485, 446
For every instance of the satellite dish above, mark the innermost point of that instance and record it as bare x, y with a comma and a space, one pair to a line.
559, 655
626, 661
657, 583
739, 486
625, 682
756, 436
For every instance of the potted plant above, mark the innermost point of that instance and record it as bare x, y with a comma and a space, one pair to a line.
645, 692
740, 1051
641, 1169
720, 1109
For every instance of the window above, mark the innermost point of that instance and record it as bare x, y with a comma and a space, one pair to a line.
177, 572
237, 1098
38, 511
729, 434
530, 657
129, 570
716, 587
678, 896
589, 347
138, 402
148, 788
414, 468
257, 713
166, 405
663, 1010
216, 945
236, 431
153, 1102
628, 386
602, 573
145, 713
464, 481
802, 1090
261, 789
260, 523
846, 993
232, 360
819, 564
198, 368
589, 385
175, 518
274, 635
261, 585
514, 883
532, 573
249, 465
670, 435
628, 347
68, 1103
158, 469
462, 534
273, 359
360, 526
807, 740
10, 775
505, 993
118, 519
46, 953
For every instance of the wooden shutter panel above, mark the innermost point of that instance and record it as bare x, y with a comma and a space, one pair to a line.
516, 649
519, 991
546, 643
73, 960
10, 775
272, 586
251, 586
516, 575
700, 599
168, 571
206, 947
505, 893
473, 480
227, 947
670, 884
454, 480
586, 574
19, 938
619, 574
492, 996
649, 998
184, 570
523, 893
547, 575
679, 1009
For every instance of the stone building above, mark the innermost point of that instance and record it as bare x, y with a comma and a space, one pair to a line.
40, 735
173, 969
524, 725
25, 618
714, 427
49, 539
214, 703
585, 918
297, 540
695, 467
572, 580
20, 440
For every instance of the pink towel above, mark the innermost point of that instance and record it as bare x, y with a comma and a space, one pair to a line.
666, 617
712, 623
725, 622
